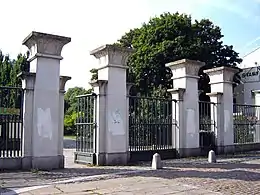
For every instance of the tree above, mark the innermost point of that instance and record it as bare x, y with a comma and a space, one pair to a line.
9, 69
172, 37
70, 108
164, 39
71, 100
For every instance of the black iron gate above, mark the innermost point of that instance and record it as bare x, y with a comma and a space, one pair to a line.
151, 128
207, 125
86, 129
11, 121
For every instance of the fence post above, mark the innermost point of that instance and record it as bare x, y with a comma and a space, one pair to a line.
185, 83
128, 89
113, 66
28, 80
217, 117
221, 81
45, 55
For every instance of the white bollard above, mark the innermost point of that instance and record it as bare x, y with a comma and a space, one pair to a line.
156, 162
212, 157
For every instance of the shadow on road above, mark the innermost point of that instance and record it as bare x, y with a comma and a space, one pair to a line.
4, 191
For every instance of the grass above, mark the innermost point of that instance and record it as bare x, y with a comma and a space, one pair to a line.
70, 137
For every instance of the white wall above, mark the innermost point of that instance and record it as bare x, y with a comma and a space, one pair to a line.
250, 76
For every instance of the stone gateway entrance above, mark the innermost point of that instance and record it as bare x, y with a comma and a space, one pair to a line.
113, 126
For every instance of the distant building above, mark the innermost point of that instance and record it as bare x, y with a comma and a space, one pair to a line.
250, 78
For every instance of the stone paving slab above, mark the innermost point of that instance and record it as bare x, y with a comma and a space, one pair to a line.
20, 179
130, 185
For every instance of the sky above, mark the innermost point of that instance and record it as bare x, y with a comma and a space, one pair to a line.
92, 23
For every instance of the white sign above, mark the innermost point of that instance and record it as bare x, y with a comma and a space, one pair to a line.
44, 123
250, 75
116, 127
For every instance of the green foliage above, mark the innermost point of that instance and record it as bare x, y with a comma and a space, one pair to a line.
69, 124
172, 37
70, 108
94, 73
71, 100
9, 69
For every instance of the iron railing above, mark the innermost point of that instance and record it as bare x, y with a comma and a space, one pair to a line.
11, 121
207, 124
151, 123
246, 123
86, 123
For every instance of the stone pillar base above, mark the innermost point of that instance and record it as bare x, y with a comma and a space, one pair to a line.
112, 158
188, 152
226, 149
27, 163
48, 162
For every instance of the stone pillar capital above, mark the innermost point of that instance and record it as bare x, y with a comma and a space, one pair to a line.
99, 86
45, 45
215, 94
221, 74
63, 81
25, 75
97, 83
28, 79
112, 55
129, 87
183, 68
179, 91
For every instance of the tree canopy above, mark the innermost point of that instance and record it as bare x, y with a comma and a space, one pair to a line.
10, 68
170, 37
71, 100
70, 108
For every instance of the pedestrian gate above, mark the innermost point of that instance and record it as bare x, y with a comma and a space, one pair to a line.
86, 129
152, 127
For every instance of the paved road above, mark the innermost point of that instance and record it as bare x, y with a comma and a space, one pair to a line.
69, 143
236, 175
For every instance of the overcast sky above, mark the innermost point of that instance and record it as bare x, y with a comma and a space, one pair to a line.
91, 23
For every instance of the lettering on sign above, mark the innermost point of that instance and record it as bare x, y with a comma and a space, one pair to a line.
250, 75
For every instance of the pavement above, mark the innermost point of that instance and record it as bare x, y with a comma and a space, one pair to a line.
239, 174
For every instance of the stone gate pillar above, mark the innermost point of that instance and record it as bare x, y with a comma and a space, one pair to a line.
185, 90
99, 87
221, 82
217, 118
45, 56
63, 81
28, 81
112, 68
257, 115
